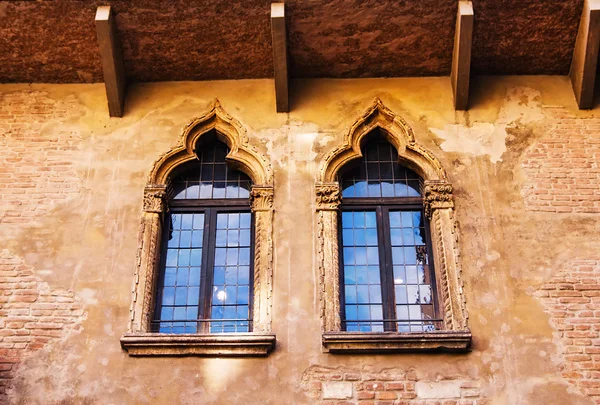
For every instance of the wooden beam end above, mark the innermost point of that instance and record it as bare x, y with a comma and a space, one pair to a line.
461, 56
103, 13
594, 5
280, 57
466, 8
111, 58
277, 10
585, 55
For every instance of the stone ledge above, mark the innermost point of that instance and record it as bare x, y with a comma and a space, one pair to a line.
215, 345
382, 342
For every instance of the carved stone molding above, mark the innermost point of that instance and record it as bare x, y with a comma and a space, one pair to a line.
383, 342
155, 199
329, 196
437, 194
246, 159
261, 198
222, 345
439, 207
241, 154
398, 133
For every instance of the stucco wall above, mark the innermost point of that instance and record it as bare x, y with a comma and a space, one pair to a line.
525, 165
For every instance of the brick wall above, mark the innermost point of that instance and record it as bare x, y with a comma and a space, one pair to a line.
572, 299
31, 315
37, 151
36, 174
339, 386
563, 168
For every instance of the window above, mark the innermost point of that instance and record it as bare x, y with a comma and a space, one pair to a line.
204, 269
206, 266
385, 215
386, 269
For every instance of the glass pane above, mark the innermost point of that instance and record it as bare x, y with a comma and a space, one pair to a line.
179, 286
231, 275
362, 280
413, 292
379, 174
211, 177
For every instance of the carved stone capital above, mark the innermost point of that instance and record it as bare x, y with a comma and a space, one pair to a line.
155, 199
261, 198
329, 196
437, 194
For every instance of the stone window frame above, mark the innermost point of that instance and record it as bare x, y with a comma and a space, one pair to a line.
138, 341
438, 206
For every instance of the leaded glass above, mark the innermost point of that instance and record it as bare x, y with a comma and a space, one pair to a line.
231, 274
212, 178
412, 281
180, 291
207, 277
378, 174
388, 281
362, 280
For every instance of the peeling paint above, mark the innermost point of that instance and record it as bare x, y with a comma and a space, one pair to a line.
521, 106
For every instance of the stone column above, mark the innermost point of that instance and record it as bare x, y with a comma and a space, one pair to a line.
439, 208
155, 206
328, 203
261, 199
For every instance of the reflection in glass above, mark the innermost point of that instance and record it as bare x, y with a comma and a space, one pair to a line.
181, 279
212, 178
362, 279
379, 174
231, 275
414, 301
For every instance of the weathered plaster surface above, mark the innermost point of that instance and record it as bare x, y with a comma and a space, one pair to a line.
520, 106
86, 243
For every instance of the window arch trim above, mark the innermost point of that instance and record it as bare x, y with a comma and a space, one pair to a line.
438, 206
242, 156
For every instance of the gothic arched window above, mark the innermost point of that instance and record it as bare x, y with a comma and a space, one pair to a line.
206, 268
386, 269
385, 215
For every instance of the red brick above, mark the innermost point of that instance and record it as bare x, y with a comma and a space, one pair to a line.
374, 386
385, 395
394, 386
366, 395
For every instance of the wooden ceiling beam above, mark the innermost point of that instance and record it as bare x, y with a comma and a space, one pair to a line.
280, 57
461, 57
585, 55
112, 61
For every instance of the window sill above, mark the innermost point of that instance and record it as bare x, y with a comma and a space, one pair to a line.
385, 342
216, 345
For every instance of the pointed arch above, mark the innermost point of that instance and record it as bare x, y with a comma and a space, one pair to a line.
438, 206
230, 131
139, 340
397, 132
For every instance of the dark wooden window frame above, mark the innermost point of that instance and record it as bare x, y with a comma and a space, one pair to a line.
382, 207
210, 208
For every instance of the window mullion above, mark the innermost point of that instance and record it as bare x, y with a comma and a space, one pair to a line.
208, 259
385, 264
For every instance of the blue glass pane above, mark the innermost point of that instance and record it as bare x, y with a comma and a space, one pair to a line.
379, 174
413, 293
231, 292
170, 276
362, 285
210, 177
219, 276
